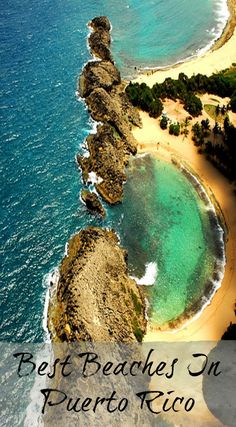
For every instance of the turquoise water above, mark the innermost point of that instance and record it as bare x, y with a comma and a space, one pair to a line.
43, 49
164, 32
165, 222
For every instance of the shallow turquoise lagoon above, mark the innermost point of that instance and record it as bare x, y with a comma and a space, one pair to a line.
165, 224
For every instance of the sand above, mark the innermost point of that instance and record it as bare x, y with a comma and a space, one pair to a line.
216, 317
221, 56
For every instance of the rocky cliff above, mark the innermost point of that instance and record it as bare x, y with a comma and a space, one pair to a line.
103, 91
95, 299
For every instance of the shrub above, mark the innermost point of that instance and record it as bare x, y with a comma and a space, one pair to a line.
164, 122
174, 129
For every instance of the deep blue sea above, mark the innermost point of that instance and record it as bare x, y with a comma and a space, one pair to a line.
43, 49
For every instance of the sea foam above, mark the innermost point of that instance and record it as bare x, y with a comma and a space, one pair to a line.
50, 282
149, 278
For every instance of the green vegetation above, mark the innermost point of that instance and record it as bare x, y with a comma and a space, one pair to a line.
221, 151
142, 96
210, 110
193, 105
136, 302
233, 103
164, 122
221, 147
137, 330
185, 89
174, 129
216, 112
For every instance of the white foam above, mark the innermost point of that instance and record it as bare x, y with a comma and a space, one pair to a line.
50, 281
150, 275
33, 415
94, 57
66, 250
141, 155
223, 15
209, 206
94, 125
93, 178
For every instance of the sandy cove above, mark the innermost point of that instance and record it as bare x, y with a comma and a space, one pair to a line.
221, 56
216, 317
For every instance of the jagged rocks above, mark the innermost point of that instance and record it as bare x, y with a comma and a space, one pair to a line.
100, 22
102, 74
100, 85
107, 160
95, 299
92, 202
99, 39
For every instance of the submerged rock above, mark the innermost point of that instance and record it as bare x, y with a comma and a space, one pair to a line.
96, 300
92, 202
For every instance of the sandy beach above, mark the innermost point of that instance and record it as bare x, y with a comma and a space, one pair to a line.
221, 56
216, 317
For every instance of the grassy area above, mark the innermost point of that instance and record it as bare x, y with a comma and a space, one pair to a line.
230, 73
211, 111
136, 302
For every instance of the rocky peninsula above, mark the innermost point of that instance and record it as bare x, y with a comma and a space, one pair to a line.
103, 91
95, 299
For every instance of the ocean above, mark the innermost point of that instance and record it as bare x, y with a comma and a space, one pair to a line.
43, 49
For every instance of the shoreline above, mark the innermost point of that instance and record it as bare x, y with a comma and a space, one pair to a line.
228, 30
222, 52
216, 317
212, 285
213, 320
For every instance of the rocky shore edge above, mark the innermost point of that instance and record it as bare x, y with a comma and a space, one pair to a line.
102, 89
95, 299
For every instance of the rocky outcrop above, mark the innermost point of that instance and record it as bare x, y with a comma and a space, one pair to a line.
101, 87
95, 299
92, 202
102, 74
99, 39
106, 158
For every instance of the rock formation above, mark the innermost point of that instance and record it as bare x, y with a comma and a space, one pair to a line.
92, 202
100, 40
95, 299
101, 86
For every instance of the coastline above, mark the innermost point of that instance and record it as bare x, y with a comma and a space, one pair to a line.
222, 52
229, 27
212, 322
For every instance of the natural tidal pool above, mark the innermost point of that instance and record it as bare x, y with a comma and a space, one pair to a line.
173, 237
